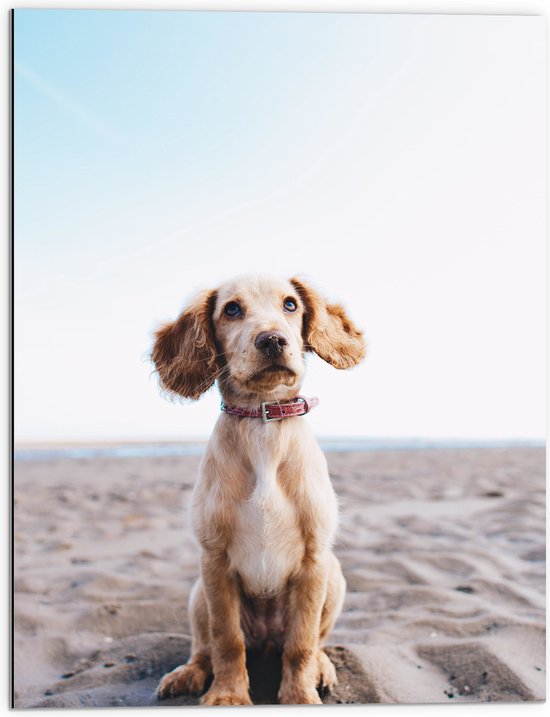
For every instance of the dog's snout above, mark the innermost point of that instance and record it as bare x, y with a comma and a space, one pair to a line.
271, 343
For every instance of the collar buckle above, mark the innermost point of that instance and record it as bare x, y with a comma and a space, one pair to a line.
266, 418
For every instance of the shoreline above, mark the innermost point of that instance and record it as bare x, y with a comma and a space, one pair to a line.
45, 450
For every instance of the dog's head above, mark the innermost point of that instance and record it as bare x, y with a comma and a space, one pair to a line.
251, 334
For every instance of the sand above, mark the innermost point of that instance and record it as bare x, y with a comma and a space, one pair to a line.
443, 552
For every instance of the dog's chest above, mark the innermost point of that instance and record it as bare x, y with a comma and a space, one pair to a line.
267, 544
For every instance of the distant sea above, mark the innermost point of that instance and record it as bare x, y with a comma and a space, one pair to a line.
162, 449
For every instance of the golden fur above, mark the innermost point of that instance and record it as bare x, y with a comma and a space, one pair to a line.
264, 510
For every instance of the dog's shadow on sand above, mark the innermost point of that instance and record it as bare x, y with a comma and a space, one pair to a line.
264, 672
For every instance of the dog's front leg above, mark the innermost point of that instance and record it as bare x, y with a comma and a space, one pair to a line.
230, 685
307, 594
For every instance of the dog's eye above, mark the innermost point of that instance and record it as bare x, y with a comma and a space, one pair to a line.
233, 309
289, 304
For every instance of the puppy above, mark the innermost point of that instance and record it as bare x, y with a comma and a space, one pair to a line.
263, 509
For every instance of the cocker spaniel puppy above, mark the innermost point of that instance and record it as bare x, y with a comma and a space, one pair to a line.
264, 510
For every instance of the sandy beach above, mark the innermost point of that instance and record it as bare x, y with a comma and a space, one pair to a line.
443, 552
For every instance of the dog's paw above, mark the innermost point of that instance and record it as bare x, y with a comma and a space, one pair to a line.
296, 696
216, 696
184, 680
327, 679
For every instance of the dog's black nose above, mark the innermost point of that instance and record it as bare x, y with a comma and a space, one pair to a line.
271, 343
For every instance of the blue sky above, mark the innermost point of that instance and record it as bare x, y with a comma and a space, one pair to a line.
396, 160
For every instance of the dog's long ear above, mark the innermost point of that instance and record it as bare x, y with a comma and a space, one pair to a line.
184, 352
328, 331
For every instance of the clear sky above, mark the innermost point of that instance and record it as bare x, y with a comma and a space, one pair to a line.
397, 161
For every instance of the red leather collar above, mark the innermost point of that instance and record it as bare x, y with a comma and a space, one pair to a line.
275, 410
